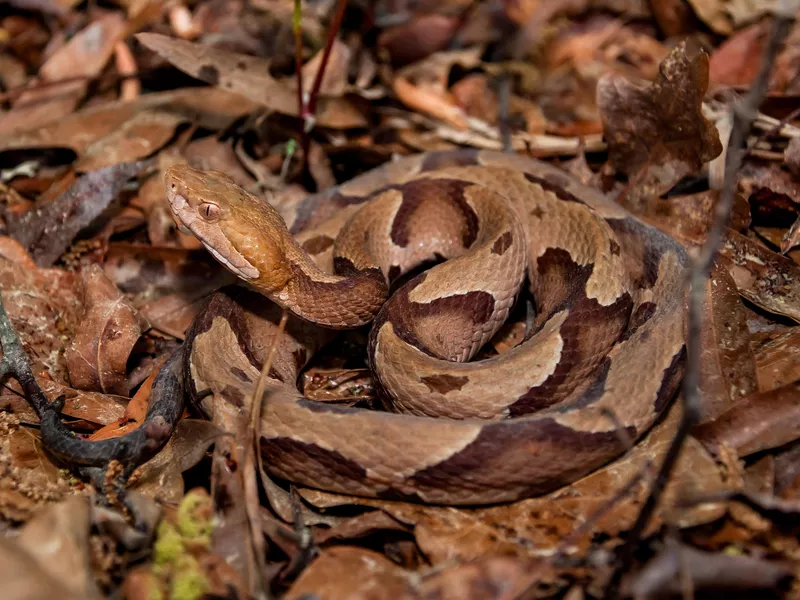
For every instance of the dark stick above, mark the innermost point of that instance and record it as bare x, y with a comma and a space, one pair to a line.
744, 112
504, 98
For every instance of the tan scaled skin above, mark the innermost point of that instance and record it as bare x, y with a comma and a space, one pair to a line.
211, 206
608, 339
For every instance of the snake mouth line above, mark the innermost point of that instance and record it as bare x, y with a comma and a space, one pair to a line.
212, 238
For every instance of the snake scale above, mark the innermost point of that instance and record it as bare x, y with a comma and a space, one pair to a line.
604, 359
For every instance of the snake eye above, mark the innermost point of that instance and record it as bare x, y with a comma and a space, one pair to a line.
209, 211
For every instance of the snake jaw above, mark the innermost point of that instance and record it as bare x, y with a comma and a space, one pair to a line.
211, 236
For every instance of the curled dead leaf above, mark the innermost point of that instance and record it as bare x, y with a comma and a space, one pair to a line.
98, 355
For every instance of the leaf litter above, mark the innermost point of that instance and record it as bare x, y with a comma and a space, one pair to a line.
101, 286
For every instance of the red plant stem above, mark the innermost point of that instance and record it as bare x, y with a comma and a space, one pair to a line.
326, 54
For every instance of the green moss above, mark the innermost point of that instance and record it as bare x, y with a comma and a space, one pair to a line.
188, 582
155, 592
169, 545
194, 522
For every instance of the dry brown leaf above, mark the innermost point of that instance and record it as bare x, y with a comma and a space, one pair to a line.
723, 16
58, 540
135, 411
334, 82
602, 43
31, 468
98, 356
688, 218
767, 185
778, 360
207, 107
765, 278
168, 285
492, 578
89, 407
349, 573
359, 526
418, 38
674, 17
356, 573
475, 96
139, 137
161, 477
211, 154
727, 364
248, 76
656, 133
50, 559
761, 421
423, 85
79, 60
45, 307
48, 230
737, 60
25, 579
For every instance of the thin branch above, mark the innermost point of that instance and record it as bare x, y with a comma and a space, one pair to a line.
744, 112
773, 131
253, 453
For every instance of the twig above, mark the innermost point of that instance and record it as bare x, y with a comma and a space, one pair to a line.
770, 132
306, 549
250, 478
503, 118
744, 112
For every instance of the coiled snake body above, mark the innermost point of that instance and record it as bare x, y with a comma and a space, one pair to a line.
606, 354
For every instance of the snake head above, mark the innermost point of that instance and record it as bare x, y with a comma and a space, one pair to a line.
243, 232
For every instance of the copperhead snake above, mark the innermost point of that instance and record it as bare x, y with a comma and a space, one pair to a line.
607, 351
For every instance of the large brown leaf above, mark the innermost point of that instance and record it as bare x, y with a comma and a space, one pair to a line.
761, 421
656, 133
727, 364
